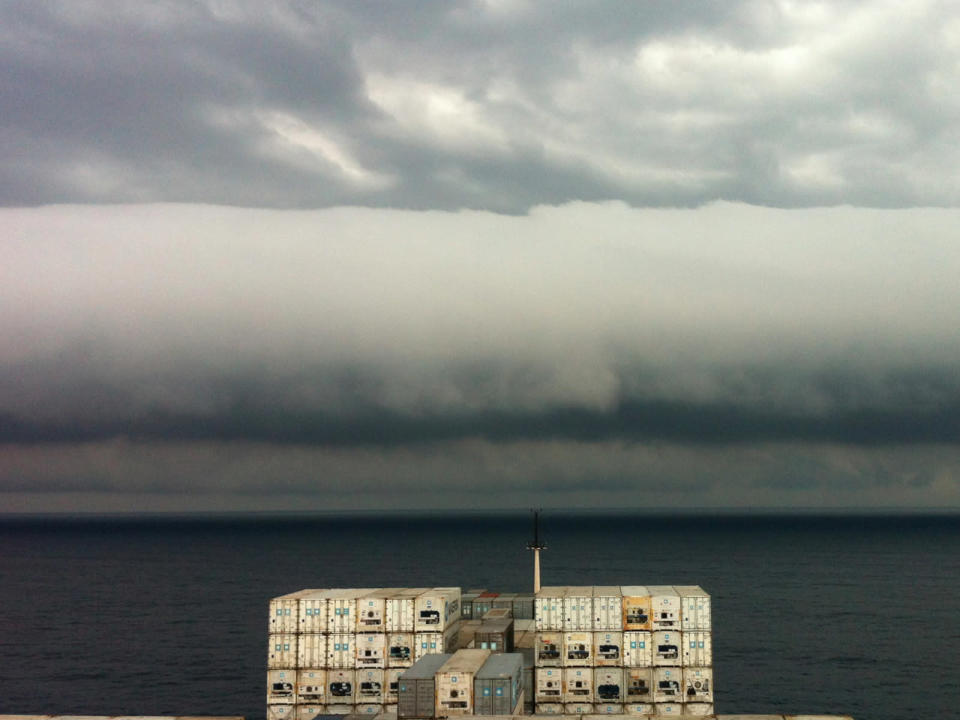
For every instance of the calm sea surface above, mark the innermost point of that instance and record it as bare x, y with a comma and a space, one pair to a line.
168, 616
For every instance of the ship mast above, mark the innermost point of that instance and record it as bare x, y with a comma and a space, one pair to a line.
536, 546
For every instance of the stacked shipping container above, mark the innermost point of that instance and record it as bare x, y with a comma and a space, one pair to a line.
623, 650
342, 651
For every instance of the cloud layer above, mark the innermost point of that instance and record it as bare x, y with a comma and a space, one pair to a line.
498, 105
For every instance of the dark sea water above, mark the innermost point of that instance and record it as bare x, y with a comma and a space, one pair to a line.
851, 614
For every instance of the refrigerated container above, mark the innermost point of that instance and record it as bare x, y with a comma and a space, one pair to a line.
697, 649
664, 607
549, 647
400, 650
694, 607
312, 650
371, 610
549, 682
608, 685
578, 608
549, 709
667, 685
636, 607
400, 609
341, 686
437, 609
311, 712
367, 710
701, 709
577, 649
312, 686
282, 687
638, 648
578, 685
391, 685
428, 643
496, 635
498, 685
285, 612
281, 712
578, 708
548, 609
312, 615
638, 685
455, 682
370, 650
417, 692
339, 709
638, 709
342, 609
607, 709
281, 651
698, 685
667, 709
667, 647
370, 686
607, 649
341, 650
607, 608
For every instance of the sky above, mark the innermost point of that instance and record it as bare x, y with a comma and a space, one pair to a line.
502, 254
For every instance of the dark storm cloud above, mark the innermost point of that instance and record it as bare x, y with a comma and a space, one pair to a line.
491, 105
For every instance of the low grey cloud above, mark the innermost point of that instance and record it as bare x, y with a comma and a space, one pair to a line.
487, 105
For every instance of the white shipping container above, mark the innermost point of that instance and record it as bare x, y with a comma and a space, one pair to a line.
578, 608
577, 649
370, 686
454, 682
400, 649
578, 685
367, 709
667, 647
312, 686
372, 610
392, 685
701, 709
607, 608
549, 647
433, 642
636, 607
281, 712
638, 709
310, 712
342, 610
697, 649
548, 609
667, 709
437, 609
341, 686
282, 687
400, 610
608, 685
341, 650
638, 684
667, 685
549, 709
698, 685
549, 683
694, 607
339, 709
664, 607
608, 709
577, 708
281, 651
638, 648
312, 613
312, 650
607, 649
284, 612
371, 650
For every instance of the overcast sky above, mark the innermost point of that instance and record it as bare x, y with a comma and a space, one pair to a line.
479, 254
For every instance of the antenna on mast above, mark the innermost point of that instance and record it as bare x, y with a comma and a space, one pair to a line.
536, 546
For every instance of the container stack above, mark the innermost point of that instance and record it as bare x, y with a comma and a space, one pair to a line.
631, 650
342, 651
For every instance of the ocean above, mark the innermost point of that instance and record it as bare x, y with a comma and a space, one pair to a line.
840, 613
